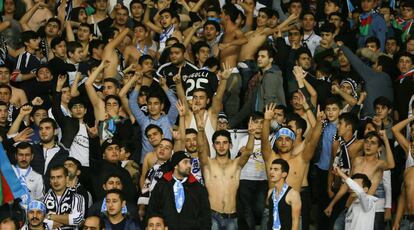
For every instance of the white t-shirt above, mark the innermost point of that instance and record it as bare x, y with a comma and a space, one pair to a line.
361, 214
255, 167
80, 146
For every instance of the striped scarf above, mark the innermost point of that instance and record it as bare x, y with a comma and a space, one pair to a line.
403, 25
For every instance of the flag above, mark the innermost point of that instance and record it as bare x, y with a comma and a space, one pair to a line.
11, 187
407, 74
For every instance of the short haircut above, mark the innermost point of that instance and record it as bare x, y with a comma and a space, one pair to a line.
373, 39
5, 66
328, 28
366, 182
115, 97
300, 51
387, 64
284, 164
223, 133
283, 108
2, 103
76, 162
190, 131
270, 51
213, 23
152, 126
168, 140
72, 46
375, 134
169, 11
137, 2
336, 14
116, 191
56, 41
140, 24
302, 15
299, 121
198, 45
350, 119
405, 54
50, 121
26, 36
54, 20
113, 80
332, 101
256, 115
231, 11
58, 167
144, 57
155, 95
24, 145
211, 62
37, 108
267, 11
94, 44
179, 46
383, 101
109, 176
6, 87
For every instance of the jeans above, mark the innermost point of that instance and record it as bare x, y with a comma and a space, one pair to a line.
379, 222
340, 221
220, 223
251, 203
265, 219
406, 224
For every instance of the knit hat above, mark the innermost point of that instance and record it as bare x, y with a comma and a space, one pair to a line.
179, 156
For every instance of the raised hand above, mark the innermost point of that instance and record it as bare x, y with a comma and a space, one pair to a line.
24, 136
92, 131
335, 89
177, 77
299, 73
383, 134
25, 110
180, 108
320, 115
37, 101
61, 81
252, 126
269, 111
200, 121
226, 72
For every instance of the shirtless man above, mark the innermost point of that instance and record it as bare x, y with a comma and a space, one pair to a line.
406, 145
222, 174
111, 53
140, 46
233, 39
404, 218
36, 15
201, 101
368, 164
285, 148
18, 97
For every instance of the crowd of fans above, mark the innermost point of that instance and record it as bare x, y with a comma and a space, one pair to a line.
207, 114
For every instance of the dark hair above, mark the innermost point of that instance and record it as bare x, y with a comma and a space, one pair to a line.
300, 51
75, 161
49, 120
299, 121
302, 15
169, 11
179, 46
336, 14
366, 182
285, 165
5, 66
6, 87
140, 24
112, 175
405, 54
267, 11
373, 39
76, 100
387, 64
113, 80
115, 97
143, 58
257, 115
26, 36
283, 108
155, 95
94, 44
152, 126
375, 134
231, 11
169, 140
270, 51
109, 33
190, 131
213, 23
350, 119
2, 103
223, 133
328, 28
333, 100
74, 16
211, 62
137, 2
275, 13
24, 145
37, 108
72, 46
383, 101
55, 20
198, 45
56, 41
116, 191
58, 167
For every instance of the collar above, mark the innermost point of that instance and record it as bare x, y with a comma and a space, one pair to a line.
169, 177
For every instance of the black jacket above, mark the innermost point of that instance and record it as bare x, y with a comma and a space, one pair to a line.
195, 214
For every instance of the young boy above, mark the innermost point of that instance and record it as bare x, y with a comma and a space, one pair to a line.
361, 213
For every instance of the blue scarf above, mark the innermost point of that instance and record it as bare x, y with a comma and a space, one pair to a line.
276, 219
22, 178
179, 195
